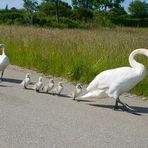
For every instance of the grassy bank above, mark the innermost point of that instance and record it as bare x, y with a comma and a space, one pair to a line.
75, 54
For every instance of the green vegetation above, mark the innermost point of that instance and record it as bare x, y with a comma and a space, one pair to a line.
78, 55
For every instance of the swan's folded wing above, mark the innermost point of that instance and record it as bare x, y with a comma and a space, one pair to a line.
110, 77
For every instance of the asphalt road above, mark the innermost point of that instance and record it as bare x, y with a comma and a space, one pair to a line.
37, 120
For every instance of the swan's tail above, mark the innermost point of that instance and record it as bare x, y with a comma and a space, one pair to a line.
94, 94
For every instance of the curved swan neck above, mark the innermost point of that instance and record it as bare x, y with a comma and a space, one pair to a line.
3, 51
134, 64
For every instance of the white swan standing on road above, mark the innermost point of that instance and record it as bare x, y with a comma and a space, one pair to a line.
77, 91
112, 83
49, 86
58, 90
39, 85
26, 81
4, 60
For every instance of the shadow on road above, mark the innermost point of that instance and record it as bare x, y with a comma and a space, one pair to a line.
138, 109
54, 94
79, 100
11, 80
61, 95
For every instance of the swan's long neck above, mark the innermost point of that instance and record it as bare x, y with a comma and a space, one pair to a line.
3, 51
136, 65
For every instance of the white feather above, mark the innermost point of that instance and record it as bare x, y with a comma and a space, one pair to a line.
77, 91
39, 85
26, 81
59, 89
4, 60
49, 86
114, 82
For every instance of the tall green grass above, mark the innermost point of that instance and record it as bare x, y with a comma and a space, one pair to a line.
75, 54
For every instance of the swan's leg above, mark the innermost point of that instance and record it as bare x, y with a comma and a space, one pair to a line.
119, 101
74, 98
37, 90
116, 104
2, 75
126, 106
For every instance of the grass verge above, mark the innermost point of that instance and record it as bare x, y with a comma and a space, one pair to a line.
78, 55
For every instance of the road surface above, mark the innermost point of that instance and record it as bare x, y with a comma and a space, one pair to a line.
37, 120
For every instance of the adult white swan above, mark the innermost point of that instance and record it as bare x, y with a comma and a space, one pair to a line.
112, 83
4, 60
